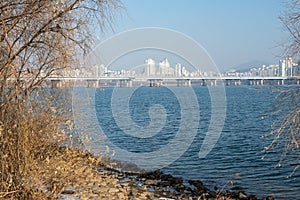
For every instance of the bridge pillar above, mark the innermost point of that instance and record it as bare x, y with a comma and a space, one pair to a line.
227, 82
155, 82
94, 83
237, 82
262, 82
151, 83
129, 83
211, 82
215, 82
124, 83
56, 84
179, 82
203, 82
187, 82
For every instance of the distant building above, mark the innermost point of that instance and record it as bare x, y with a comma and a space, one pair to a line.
287, 67
162, 69
178, 70
282, 68
297, 69
165, 68
184, 72
150, 67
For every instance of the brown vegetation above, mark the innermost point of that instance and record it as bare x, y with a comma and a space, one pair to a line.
38, 39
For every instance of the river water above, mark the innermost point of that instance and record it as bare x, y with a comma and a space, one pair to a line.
236, 159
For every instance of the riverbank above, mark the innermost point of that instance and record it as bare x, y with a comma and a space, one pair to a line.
73, 174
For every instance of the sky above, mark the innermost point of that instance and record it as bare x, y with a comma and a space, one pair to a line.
232, 31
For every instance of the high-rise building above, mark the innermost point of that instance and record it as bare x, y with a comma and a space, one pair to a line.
178, 70
150, 67
184, 72
165, 69
289, 66
282, 68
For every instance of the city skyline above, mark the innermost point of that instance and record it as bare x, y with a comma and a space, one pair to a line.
153, 68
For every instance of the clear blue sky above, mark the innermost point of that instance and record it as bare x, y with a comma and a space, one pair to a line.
232, 31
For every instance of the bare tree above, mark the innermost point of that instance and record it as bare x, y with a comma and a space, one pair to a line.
38, 39
41, 37
286, 129
291, 22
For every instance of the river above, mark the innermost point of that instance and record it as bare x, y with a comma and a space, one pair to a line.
236, 159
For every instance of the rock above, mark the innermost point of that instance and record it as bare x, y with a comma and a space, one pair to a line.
166, 177
242, 195
144, 187
151, 182
166, 193
124, 184
212, 194
121, 195
132, 184
268, 198
237, 188
163, 184
157, 174
182, 197
68, 190
178, 180
216, 188
252, 197
187, 191
114, 190
178, 187
171, 180
68, 197
198, 184
101, 190
139, 183
200, 190
125, 180
147, 195
232, 195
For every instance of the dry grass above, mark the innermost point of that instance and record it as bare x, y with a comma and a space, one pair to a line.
29, 134
38, 158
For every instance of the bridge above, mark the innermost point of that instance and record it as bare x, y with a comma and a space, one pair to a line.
57, 82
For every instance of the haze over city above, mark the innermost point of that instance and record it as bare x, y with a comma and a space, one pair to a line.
233, 32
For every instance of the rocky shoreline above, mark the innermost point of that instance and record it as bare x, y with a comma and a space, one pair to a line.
157, 185
102, 181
